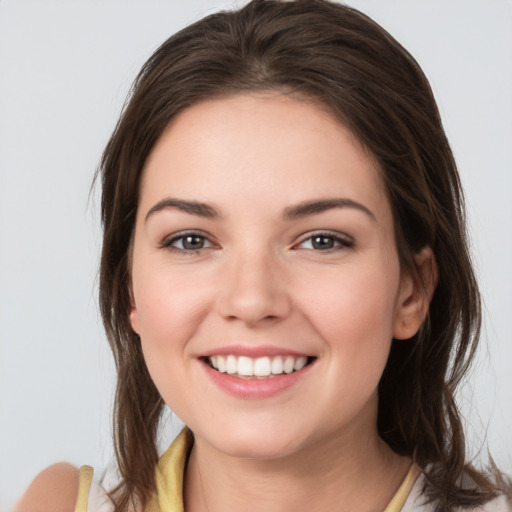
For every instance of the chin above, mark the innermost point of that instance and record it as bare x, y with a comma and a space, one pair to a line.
264, 449
254, 443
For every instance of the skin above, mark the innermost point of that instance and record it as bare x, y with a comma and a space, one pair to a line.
54, 489
258, 280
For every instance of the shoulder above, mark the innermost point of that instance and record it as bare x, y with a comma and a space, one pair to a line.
55, 489
416, 501
499, 504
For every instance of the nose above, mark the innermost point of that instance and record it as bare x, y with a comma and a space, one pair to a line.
253, 290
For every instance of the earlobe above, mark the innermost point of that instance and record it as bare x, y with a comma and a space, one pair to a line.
134, 313
415, 295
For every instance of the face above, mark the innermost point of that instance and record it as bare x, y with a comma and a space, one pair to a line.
266, 284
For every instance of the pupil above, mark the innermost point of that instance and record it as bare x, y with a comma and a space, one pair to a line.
323, 242
193, 242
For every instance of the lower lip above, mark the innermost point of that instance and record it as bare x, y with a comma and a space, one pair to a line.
254, 389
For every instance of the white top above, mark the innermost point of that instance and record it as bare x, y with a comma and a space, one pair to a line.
99, 502
92, 496
414, 502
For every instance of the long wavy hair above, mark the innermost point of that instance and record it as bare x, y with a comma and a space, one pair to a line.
336, 56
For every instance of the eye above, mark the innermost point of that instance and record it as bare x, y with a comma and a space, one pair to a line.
325, 242
187, 242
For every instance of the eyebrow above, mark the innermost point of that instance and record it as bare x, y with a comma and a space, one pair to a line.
322, 205
191, 207
290, 213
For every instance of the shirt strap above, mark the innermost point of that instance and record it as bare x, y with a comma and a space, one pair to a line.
169, 475
396, 504
85, 479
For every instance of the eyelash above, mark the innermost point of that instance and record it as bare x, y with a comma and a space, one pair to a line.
168, 242
339, 242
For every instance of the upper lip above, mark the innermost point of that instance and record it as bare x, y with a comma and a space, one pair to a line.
253, 351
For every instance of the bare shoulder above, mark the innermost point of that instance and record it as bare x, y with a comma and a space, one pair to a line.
500, 504
55, 489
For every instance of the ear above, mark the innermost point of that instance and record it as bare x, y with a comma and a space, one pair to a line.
134, 313
416, 292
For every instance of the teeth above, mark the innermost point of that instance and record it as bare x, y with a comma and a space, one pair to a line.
262, 367
245, 366
300, 363
288, 365
277, 366
221, 364
259, 367
231, 365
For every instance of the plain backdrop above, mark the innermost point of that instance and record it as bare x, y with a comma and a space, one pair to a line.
65, 69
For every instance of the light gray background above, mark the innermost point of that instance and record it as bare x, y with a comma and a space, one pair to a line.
65, 68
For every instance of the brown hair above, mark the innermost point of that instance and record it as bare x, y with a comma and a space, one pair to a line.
336, 56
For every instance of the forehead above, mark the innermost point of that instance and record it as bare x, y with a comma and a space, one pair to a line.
265, 145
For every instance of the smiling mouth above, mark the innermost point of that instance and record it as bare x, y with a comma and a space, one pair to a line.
265, 367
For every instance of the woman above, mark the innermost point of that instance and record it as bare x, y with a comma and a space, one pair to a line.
285, 266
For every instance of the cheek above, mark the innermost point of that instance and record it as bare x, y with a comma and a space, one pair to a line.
354, 313
169, 315
169, 308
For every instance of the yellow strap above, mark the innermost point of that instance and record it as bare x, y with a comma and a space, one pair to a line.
84, 485
169, 475
396, 504
171, 468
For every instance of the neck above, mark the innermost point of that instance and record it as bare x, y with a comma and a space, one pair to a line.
362, 475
